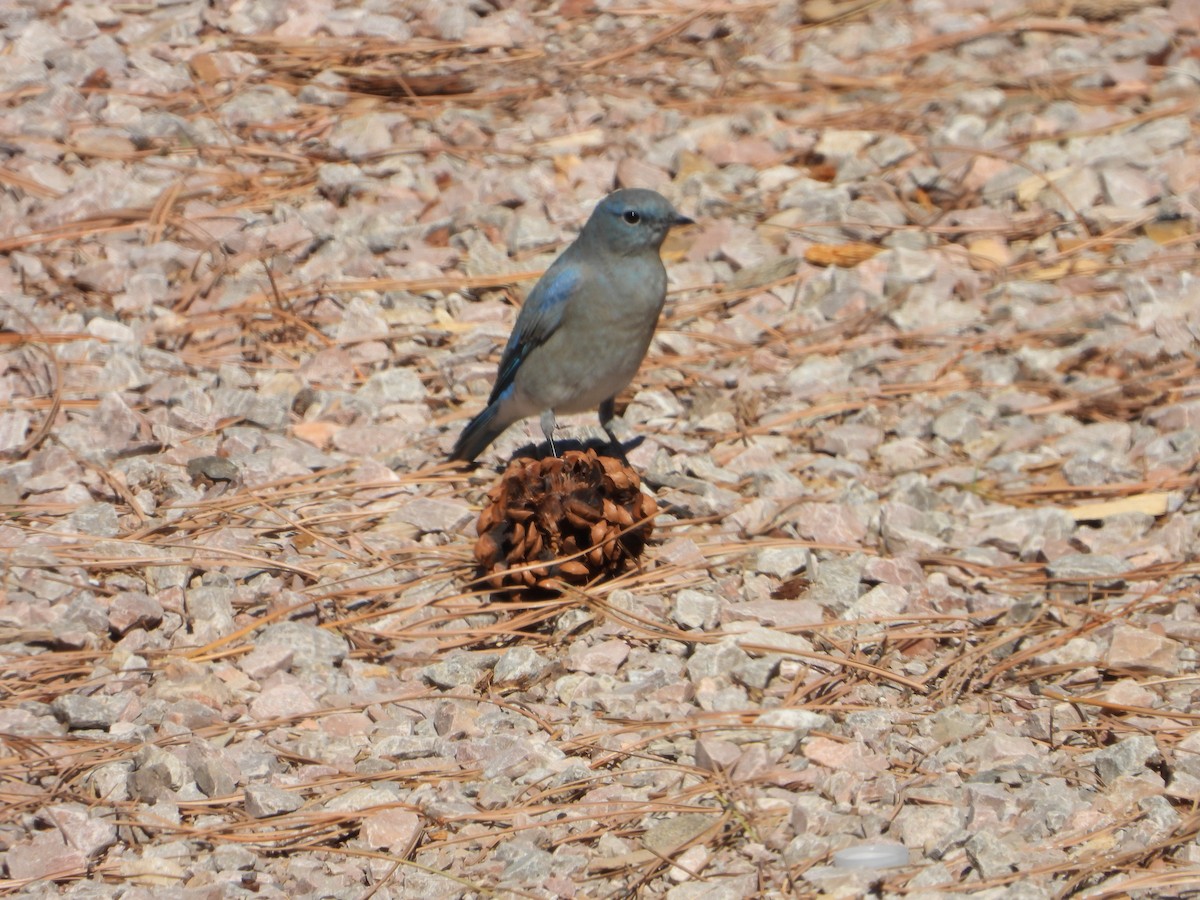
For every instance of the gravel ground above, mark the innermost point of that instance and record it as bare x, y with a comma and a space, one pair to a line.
922, 421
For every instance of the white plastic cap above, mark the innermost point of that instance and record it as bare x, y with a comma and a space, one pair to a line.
877, 855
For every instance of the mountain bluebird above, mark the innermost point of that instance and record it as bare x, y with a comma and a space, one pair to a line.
586, 325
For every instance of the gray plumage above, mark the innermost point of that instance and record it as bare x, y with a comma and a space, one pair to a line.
586, 325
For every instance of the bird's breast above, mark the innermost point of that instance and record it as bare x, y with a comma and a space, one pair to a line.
602, 339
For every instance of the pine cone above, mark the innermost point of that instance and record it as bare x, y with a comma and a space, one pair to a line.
545, 509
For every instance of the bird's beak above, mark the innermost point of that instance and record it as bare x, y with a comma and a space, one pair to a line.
682, 220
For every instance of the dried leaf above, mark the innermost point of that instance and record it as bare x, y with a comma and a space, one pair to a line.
844, 255
204, 66
1154, 504
319, 434
988, 254
1084, 266
791, 589
1164, 231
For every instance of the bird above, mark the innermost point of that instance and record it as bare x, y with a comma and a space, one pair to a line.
586, 325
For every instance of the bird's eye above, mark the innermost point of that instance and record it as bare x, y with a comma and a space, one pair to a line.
632, 216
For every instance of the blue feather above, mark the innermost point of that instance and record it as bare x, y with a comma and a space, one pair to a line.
539, 318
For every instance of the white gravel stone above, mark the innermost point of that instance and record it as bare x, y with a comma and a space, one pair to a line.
264, 801
252, 290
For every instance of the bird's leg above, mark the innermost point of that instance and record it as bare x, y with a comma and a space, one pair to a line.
548, 429
607, 411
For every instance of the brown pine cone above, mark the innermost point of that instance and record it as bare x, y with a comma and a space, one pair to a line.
544, 509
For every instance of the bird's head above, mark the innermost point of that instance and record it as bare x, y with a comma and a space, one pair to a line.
632, 221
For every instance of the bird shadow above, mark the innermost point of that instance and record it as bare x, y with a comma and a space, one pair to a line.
603, 447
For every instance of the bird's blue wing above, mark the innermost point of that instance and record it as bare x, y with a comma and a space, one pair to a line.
539, 318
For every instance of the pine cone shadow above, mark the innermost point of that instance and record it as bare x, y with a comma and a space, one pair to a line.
599, 446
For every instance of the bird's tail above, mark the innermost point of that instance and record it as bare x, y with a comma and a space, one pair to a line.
480, 431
